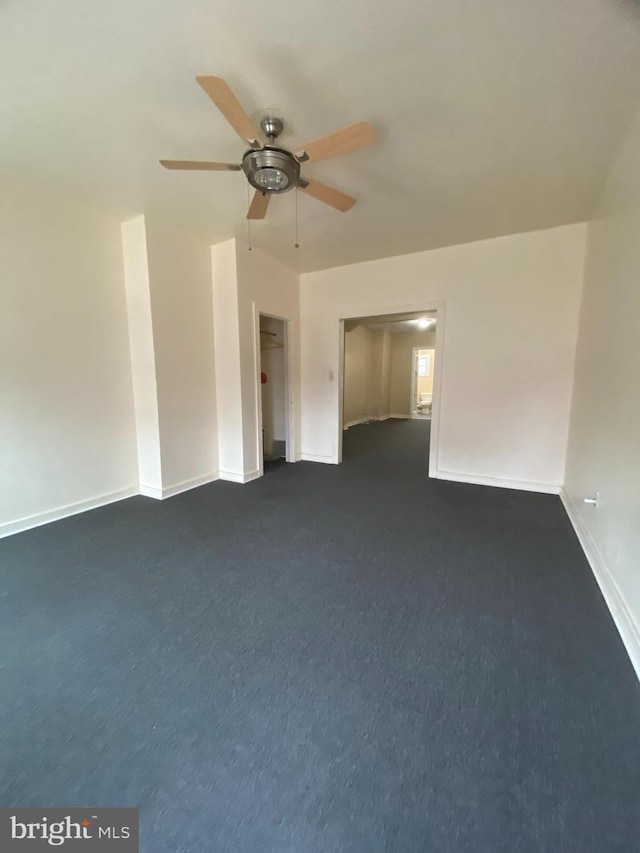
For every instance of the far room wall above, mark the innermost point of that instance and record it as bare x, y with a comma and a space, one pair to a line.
359, 404
515, 300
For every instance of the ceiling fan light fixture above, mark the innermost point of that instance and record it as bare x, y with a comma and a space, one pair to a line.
272, 179
271, 170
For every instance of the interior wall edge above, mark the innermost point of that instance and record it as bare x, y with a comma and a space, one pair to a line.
177, 488
621, 613
239, 476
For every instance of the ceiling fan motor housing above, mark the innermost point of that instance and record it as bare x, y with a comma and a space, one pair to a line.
271, 169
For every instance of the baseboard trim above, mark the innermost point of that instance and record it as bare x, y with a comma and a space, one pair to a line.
406, 417
497, 482
371, 420
239, 476
620, 613
317, 457
178, 488
186, 485
151, 491
38, 519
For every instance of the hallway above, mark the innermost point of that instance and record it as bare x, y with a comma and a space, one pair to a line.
332, 658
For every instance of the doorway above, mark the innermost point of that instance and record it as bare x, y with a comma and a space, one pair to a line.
422, 371
389, 373
274, 392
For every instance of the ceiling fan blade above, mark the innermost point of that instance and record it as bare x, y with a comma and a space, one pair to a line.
200, 165
328, 195
224, 99
259, 205
350, 138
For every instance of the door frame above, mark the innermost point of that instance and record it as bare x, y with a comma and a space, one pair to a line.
436, 307
288, 385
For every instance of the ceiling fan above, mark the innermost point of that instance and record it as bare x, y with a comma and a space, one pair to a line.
269, 168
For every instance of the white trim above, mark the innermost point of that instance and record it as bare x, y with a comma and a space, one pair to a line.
407, 417
257, 390
412, 399
36, 520
499, 482
336, 456
623, 618
366, 420
154, 492
316, 457
239, 476
186, 485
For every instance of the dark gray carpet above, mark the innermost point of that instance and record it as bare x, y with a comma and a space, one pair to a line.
347, 658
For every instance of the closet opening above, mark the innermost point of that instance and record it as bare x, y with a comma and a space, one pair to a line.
274, 392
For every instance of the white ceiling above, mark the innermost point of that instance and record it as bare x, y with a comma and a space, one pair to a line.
492, 117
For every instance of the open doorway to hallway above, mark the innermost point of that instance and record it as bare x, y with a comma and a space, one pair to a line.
422, 382
389, 367
274, 392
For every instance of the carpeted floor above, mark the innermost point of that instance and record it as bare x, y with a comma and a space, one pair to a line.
332, 658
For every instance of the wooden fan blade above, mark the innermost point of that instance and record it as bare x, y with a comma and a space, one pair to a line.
200, 165
259, 205
328, 195
224, 99
350, 138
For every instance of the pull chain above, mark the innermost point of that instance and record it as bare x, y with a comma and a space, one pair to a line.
296, 244
248, 220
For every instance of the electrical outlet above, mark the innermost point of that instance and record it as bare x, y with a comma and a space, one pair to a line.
593, 501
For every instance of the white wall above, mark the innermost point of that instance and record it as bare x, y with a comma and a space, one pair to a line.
378, 404
358, 404
227, 359
385, 375
182, 313
604, 439
143, 359
67, 429
514, 300
367, 374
